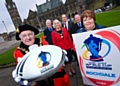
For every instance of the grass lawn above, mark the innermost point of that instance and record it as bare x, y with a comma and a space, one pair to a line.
7, 57
109, 18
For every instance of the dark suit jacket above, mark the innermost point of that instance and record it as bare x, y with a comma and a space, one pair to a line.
70, 24
74, 28
47, 33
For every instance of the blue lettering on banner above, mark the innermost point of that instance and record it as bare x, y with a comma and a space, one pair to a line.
101, 74
96, 65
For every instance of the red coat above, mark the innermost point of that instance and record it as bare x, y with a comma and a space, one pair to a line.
18, 54
65, 43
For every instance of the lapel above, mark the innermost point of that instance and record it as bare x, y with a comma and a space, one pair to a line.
63, 24
69, 25
77, 25
53, 28
47, 30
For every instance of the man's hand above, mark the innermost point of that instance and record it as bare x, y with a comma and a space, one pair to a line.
33, 47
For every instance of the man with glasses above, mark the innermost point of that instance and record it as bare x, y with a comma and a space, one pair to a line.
26, 34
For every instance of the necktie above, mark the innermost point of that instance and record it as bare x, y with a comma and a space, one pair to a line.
50, 29
79, 25
65, 26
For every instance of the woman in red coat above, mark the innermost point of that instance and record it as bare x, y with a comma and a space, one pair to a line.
61, 38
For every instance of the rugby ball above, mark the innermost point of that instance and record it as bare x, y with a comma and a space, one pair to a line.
40, 63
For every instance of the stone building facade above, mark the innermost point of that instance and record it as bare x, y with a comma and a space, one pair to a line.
12, 9
52, 9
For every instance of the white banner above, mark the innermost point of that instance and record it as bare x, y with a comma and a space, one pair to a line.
98, 54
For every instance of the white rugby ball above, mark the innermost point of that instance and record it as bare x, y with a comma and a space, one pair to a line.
40, 63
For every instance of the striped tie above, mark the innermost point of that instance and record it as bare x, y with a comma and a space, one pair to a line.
50, 29
79, 25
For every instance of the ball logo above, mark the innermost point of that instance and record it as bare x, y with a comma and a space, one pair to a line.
43, 59
39, 63
94, 45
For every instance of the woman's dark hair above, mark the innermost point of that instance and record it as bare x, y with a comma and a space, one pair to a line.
88, 13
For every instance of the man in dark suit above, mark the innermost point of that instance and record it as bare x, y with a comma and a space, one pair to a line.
66, 23
48, 31
77, 25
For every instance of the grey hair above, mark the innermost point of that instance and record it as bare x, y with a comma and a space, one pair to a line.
56, 20
77, 15
48, 20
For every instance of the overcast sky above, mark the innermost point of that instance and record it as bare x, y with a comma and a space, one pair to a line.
23, 7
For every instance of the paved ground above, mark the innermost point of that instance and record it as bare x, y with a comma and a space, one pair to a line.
4, 46
7, 80
5, 73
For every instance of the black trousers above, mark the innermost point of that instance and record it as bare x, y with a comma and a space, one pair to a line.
46, 82
74, 54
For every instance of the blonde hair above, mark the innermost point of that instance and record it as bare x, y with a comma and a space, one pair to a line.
55, 22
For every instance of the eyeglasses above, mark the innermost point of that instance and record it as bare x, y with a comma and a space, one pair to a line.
25, 35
